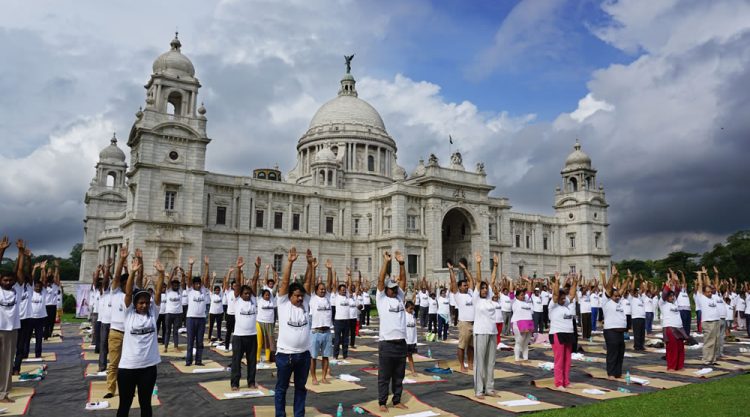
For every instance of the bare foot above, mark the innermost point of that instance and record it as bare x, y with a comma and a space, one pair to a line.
166, 349
383, 409
235, 388
611, 378
480, 396
252, 386
463, 369
7, 400
325, 381
315, 382
413, 373
401, 406
560, 388
471, 368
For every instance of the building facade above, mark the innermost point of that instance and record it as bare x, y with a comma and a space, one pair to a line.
346, 199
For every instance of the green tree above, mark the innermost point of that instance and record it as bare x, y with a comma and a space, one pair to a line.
75, 254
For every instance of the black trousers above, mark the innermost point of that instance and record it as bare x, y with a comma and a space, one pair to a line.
432, 323
340, 338
128, 380
537, 317
38, 326
545, 317
615, 342
391, 369
586, 325
161, 325
639, 334
173, 325
248, 346
352, 331
365, 316
96, 327
22, 343
50, 323
230, 330
214, 318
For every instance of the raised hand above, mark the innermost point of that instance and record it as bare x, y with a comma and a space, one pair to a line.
292, 254
386, 256
205, 259
495, 259
191, 261
158, 266
449, 265
57, 263
461, 265
329, 264
20, 244
268, 267
315, 263
124, 252
5, 243
135, 264
478, 258
309, 256
257, 262
139, 253
240, 262
399, 257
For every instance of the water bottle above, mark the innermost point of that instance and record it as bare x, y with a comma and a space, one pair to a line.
623, 390
436, 378
340, 411
531, 397
358, 410
627, 378
429, 353
155, 392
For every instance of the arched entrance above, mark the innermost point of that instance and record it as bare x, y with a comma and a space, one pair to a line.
456, 235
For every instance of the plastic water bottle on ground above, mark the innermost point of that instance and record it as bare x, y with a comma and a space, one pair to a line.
429, 353
627, 378
340, 410
531, 397
623, 390
155, 392
437, 378
358, 410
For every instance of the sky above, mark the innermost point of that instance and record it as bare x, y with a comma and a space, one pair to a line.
656, 91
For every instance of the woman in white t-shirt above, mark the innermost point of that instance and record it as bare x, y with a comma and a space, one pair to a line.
674, 334
615, 325
432, 306
38, 314
443, 313
266, 307
484, 331
215, 310
411, 334
244, 339
562, 312
522, 320
140, 347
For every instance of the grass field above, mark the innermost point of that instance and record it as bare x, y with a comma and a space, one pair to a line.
71, 318
724, 397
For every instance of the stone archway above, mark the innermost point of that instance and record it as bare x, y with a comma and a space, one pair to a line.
456, 234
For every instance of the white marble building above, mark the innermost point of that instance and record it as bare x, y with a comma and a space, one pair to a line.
346, 199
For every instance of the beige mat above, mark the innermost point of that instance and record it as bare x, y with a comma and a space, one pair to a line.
409, 378
682, 372
409, 400
92, 371
87, 346
501, 396
454, 365
208, 367
219, 389
261, 365
46, 357
577, 388
54, 339
729, 366
336, 385
24, 368
599, 373
745, 359
22, 397
602, 351
90, 356
97, 390
270, 411
351, 361
224, 353
363, 349
173, 353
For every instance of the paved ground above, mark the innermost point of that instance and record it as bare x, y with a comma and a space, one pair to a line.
64, 391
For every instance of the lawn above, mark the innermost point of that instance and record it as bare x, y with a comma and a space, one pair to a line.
71, 318
724, 397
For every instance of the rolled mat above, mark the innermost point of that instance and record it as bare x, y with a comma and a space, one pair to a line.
221, 390
413, 404
270, 411
503, 396
599, 373
579, 389
682, 372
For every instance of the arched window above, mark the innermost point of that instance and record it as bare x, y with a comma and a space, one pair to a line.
330, 177
588, 183
262, 175
174, 103
111, 179
573, 184
322, 177
370, 163
272, 176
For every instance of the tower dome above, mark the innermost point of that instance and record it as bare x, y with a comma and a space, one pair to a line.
112, 153
326, 155
577, 159
173, 62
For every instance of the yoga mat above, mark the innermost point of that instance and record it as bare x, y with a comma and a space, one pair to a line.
86, 346
409, 400
92, 371
501, 396
335, 386
24, 368
652, 382
530, 363
351, 361
363, 349
602, 351
682, 372
270, 411
745, 359
224, 353
97, 389
209, 367
576, 388
90, 356
173, 353
217, 389
589, 359
498, 373
729, 366
417, 379
259, 366
46, 357
22, 397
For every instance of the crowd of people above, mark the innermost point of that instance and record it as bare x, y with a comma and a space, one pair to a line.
319, 317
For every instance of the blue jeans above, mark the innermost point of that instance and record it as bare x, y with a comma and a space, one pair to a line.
649, 322
286, 364
196, 329
685, 316
442, 328
594, 313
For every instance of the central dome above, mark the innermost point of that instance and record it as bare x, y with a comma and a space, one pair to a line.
347, 109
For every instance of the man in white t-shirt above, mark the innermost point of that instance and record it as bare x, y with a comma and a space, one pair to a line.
322, 323
545, 296
423, 298
536, 299
341, 318
464, 303
506, 306
10, 321
293, 347
50, 302
711, 317
392, 346
117, 325
196, 313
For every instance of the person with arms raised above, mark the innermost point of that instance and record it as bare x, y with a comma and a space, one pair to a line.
522, 318
245, 337
615, 323
463, 295
562, 329
322, 321
485, 332
10, 321
196, 313
674, 334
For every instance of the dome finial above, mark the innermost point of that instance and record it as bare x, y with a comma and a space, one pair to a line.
347, 82
176, 44
577, 146
348, 59
114, 139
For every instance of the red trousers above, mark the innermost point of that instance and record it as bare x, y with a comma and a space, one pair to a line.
562, 362
499, 331
675, 352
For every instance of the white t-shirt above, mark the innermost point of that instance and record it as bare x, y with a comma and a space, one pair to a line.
709, 308
320, 309
614, 314
648, 303
637, 307
38, 308
265, 310
117, 301
730, 312
52, 293
184, 298
423, 299
465, 305
444, 306
9, 302
245, 314
585, 299
626, 304
163, 305
174, 302
670, 314
498, 311
740, 303
522, 309
392, 316
720, 305
537, 301
353, 307
697, 304
506, 302
484, 314
545, 296
411, 329
342, 306
683, 301
105, 308
94, 301
216, 304
229, 297
294, 334
140, 348
366, 299
561, 317
432, 306
451, 300
24, 306
747, 303
595, 301
197, 302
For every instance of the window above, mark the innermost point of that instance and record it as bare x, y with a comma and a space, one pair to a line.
259, 219
169, 200
492, 230
278, 261
356, 264
295, 221
572, 269
221, 215
369, 264
413, 263
278, 220
572, 240
411, 223
329, 224
597, 237
518, 241
492, 263
544, 243
356, 226
520, 270
528, 242
111, 179
370, 163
